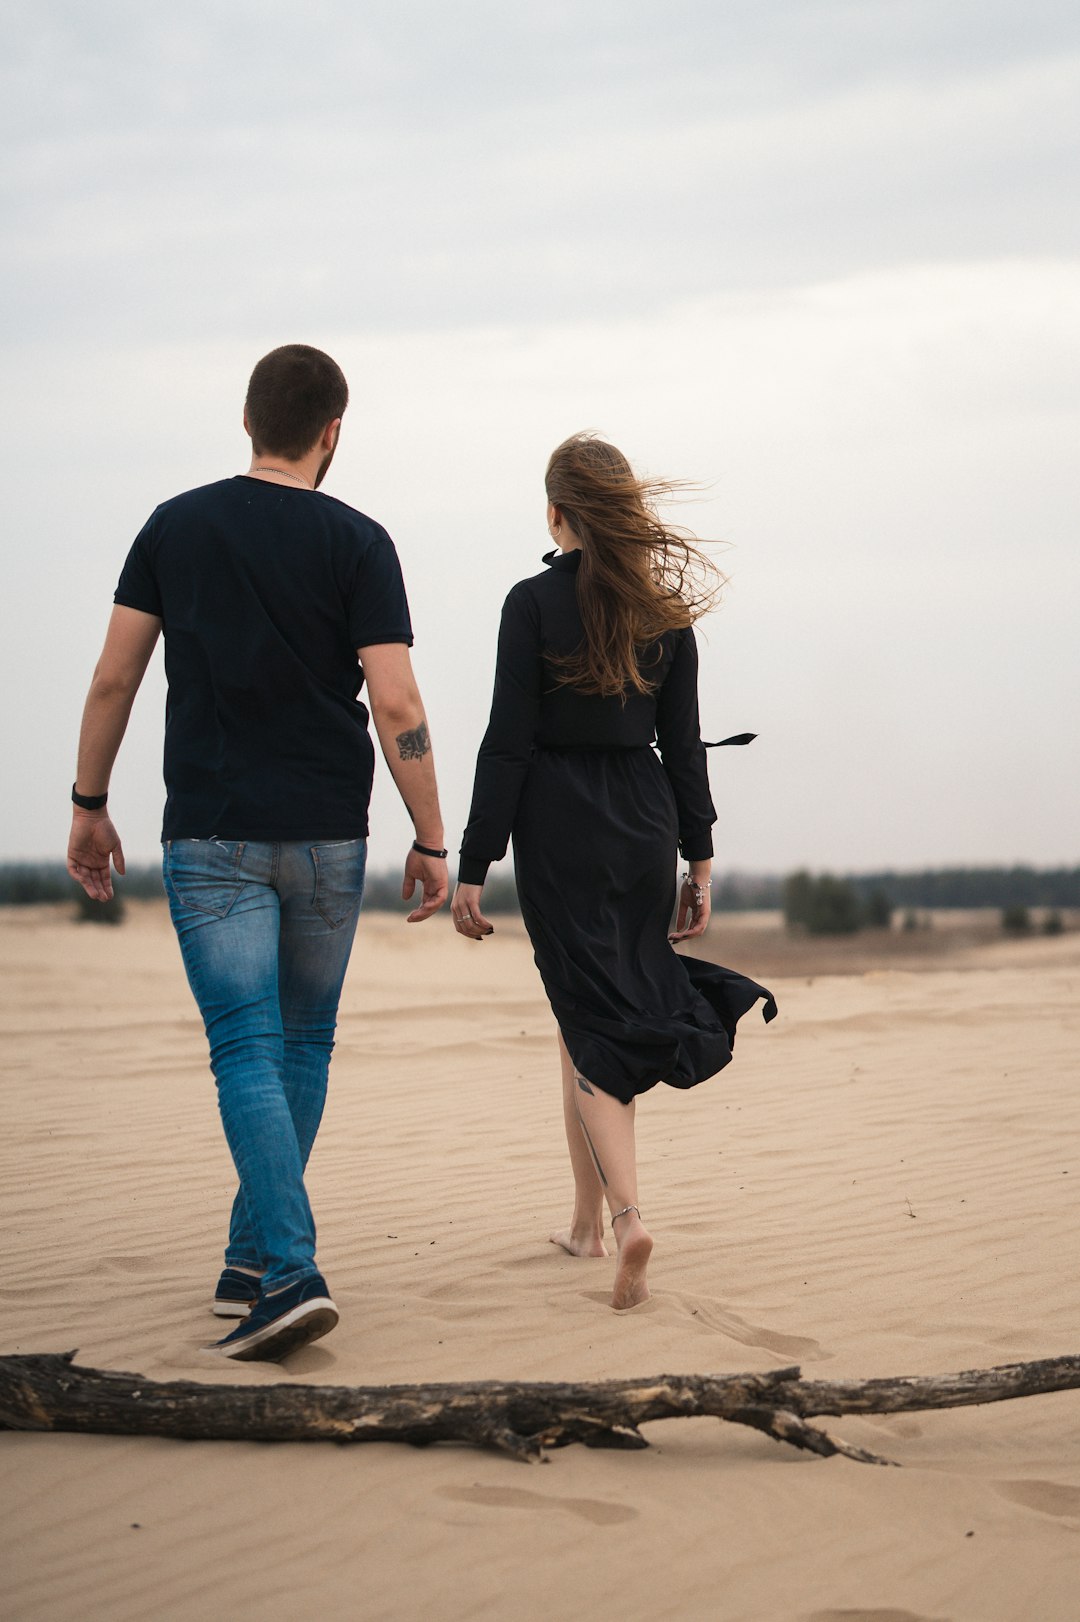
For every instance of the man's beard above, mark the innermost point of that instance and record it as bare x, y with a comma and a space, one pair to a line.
324, 464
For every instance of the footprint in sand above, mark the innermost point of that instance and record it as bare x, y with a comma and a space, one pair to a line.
862, 1614
1050, 1497
603, 1299
714, 1316
595, 1510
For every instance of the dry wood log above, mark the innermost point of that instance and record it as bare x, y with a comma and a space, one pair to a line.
49, 1392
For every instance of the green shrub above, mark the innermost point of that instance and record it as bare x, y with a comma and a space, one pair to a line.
877, 910
88, 911
1053, 924
798, 899
824, 905
1015, 920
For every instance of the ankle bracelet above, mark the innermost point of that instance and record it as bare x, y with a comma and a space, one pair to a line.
625, 1210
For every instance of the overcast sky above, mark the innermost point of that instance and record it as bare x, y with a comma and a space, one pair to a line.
821, 257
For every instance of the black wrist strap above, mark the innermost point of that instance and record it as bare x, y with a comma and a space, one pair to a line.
88, 802
426, 850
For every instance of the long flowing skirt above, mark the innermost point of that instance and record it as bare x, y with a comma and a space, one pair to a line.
595, 846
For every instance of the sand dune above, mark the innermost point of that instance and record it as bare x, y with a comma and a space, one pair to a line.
885, 1181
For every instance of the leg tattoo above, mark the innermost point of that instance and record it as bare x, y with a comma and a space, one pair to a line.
589, 1141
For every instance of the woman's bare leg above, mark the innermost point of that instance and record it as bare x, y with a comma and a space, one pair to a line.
585, 1235
608, 1127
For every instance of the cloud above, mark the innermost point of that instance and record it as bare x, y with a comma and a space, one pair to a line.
441, 167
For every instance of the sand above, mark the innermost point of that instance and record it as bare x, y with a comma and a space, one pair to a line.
884, 1182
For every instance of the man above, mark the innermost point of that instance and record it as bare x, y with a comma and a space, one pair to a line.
277, 604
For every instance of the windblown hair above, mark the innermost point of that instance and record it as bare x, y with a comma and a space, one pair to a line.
638, 575
293, 393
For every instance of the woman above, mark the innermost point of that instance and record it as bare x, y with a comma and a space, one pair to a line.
597, 658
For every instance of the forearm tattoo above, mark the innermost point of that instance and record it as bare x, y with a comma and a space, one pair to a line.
415, 744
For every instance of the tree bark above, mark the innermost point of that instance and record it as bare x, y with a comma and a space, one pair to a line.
48, 1392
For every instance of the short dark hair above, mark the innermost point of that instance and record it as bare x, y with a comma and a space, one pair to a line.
293, 393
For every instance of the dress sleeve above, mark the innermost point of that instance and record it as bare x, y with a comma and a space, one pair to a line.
678, 737
508, 742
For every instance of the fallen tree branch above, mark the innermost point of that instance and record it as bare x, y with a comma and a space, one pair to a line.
49, 1392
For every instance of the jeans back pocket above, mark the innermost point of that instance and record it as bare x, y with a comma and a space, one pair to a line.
339, 879
203, 873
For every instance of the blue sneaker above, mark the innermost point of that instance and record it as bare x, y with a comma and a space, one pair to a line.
281, 1323
235, 1295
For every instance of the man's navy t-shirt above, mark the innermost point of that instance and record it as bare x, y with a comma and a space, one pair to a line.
265, 593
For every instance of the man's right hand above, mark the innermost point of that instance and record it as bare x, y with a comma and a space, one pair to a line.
93, 841
431, 874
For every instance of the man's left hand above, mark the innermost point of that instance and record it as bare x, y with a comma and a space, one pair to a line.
431, 874
93, 841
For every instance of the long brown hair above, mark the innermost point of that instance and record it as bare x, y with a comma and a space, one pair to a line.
638, 575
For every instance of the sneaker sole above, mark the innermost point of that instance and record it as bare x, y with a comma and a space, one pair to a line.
230, 1309
305, 1323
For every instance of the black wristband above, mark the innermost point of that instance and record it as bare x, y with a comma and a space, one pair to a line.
88, 802
426, 850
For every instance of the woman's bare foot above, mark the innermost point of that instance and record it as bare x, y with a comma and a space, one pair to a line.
578, 1243
635, 1247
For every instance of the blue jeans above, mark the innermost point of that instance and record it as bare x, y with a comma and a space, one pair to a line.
265, 931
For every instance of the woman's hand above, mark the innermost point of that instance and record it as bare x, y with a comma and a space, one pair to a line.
468, 919
694, 908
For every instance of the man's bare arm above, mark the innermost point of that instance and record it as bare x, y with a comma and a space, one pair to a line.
398, 713
129, 642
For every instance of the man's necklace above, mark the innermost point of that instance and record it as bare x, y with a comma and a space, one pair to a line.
281, 471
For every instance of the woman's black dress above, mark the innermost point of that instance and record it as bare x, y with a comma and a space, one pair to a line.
597, 818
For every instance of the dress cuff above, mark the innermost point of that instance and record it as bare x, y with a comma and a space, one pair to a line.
472, 870
696, 846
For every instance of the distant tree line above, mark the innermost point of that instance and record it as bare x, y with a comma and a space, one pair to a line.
747, 892
955, 887
977, 887
824, 904
24, 884
382, 892
864, 896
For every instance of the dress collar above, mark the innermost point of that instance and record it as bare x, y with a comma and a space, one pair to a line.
570, 561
